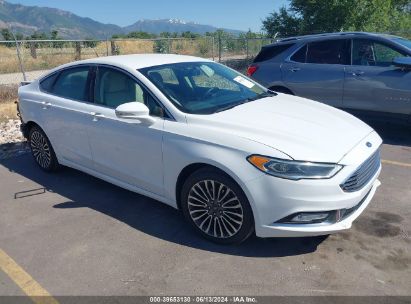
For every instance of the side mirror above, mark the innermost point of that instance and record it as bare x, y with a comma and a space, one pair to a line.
402, 62
135, 111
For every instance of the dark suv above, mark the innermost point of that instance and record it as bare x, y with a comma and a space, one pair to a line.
357, 71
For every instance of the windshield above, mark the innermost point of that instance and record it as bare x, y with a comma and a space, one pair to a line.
403, 41
203, 87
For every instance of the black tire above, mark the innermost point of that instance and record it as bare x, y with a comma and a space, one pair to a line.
220, 208
42, 150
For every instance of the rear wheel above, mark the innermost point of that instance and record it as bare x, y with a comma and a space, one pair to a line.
42, 150
217, 207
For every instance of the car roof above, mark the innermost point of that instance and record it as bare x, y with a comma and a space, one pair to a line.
137, 61
324, 36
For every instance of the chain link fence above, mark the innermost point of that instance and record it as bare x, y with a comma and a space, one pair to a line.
38, 56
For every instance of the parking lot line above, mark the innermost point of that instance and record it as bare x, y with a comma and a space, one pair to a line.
392, 162
27, 284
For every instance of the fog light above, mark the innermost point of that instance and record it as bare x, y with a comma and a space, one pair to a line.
306, 218
310, 217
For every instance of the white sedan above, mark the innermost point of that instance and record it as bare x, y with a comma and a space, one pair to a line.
232, 155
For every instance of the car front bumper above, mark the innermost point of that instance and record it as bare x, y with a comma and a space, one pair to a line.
299, 230
274, 199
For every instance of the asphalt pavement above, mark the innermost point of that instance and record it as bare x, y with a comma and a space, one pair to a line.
77, 235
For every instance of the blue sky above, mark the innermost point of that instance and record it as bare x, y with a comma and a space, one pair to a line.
234, 14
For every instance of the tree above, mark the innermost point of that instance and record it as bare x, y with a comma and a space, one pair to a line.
315, 16
189, 35
140, 35
7, 35
54, 35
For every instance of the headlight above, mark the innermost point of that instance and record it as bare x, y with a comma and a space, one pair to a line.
294, 170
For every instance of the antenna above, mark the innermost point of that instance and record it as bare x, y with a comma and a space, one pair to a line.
18, 54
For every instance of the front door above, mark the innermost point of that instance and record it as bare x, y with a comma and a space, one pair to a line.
124, 149
316, 71
373, 83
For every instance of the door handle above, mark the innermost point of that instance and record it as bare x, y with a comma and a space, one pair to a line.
45, 105
294, 69
96, 116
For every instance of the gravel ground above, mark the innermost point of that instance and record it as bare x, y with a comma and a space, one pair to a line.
12, 142
10, 132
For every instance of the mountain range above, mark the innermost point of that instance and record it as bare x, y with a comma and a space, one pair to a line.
29, 19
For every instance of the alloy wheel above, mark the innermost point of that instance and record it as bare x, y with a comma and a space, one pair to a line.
41, 150
215, 209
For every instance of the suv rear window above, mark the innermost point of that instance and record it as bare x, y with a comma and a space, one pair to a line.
300, 55
269, 52
329, 52
324, 52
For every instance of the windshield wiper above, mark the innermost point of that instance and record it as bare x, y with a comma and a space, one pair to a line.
228, 107
269, 93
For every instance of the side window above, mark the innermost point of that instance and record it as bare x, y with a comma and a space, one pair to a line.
300, 55
329, 52
47, 83
72, 84
113, 88
371, 53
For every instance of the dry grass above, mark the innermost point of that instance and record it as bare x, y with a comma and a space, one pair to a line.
8, 96
8, 93
135, 46
46, 58
49, 57
8, 111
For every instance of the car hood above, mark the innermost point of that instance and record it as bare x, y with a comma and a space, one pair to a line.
301, 128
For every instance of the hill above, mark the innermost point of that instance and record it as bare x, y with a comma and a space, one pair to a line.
172, 25
29, 19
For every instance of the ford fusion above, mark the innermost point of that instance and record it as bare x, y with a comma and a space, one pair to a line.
234, 157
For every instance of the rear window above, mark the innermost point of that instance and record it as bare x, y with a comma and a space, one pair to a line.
329, 52
72, 84
324, 52
269, 52
300, 55
47, 83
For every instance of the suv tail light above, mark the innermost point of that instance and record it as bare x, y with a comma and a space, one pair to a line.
252, 69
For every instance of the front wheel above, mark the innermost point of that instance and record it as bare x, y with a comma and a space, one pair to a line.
42, 150
217, 207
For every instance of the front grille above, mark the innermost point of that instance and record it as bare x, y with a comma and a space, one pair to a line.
363, 174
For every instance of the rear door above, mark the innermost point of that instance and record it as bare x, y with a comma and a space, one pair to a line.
66, 103
316, 70
373, 83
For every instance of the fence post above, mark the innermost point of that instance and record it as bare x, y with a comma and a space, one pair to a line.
212, 46
78, 50
246, 48
114, 48
219, 47
33, 52
19, 57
